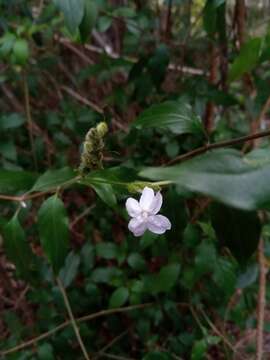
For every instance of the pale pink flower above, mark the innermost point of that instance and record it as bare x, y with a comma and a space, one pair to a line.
144, 214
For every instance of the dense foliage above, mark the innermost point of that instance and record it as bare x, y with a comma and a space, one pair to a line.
99, 100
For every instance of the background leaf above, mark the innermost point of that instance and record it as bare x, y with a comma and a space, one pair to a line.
222, 174
247, 58
236, 229
15, 181
17, 248
51, 179
54, 232
89, 19
118, 297
176, 116
69, 271
73, 11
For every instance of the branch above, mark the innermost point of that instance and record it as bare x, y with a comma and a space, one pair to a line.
221, 144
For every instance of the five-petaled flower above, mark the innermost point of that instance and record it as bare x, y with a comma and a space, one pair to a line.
144, 213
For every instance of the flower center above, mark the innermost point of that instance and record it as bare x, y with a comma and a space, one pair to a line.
145, 214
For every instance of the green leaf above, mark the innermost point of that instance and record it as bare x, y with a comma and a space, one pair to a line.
89, 19
45, 352
163, 281
70, 269
103, 189
17, 248
106, 193
51, 179
176, 116
205, 260
15, 181
6, 44
11, 121
125, 12
105, 275
201, 346
223, 175
248, 277
247, 58
118, 297
237, 229
106, 250
54, 232
73, 11
20, 51
136, 262
210, 15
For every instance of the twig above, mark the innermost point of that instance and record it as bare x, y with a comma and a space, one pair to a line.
82, 215
219, 333
116, 357
29, 118
111, 343
261, 302
217, 145
76, 51
68, 322
82, 99
72, 319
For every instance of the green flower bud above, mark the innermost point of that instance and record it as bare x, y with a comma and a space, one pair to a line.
102, 129
91, 158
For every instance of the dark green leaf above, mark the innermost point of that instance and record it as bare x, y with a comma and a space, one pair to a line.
237, 229
106, 250
20, 51
163, 281
248, 277
118, 297
89, 19
70, 269
247, 59
222, 174
136, 262
176, 116
11, 121
210, 15
51, 179
54, 232
45, 352
105, 192
17, 248
15, 181
105, 275
73, 11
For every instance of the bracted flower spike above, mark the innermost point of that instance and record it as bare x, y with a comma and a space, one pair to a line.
144, 214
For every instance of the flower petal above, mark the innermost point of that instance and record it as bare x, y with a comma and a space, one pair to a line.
137, 226
147, 198
156, 204
133, 207
158, 224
